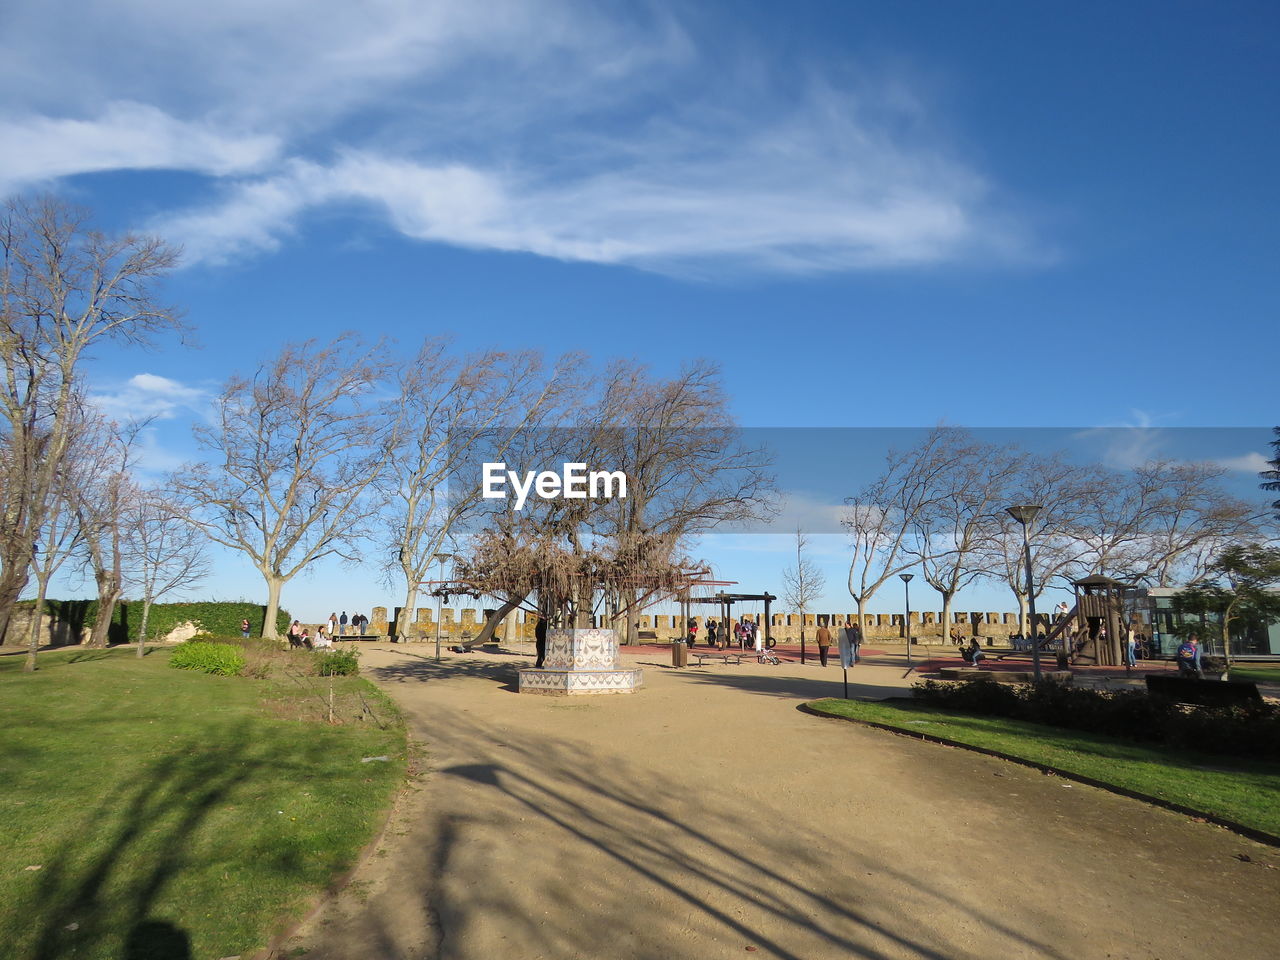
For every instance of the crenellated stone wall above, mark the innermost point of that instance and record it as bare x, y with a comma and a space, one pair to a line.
456, 623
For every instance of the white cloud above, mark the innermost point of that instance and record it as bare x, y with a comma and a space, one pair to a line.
125, 136
559, 128
1246, 463
147, 395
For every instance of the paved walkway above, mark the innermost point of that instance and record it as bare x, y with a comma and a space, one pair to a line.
706, 817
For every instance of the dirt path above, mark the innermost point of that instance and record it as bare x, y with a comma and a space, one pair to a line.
706, 817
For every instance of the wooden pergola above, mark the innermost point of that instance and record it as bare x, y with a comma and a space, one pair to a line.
726, 601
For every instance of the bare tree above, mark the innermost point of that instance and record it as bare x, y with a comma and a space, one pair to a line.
688, 469
1192, 519
105, 511
296, 450
882, 517
63, 288
61, 531
1064, 491
803, 584
166, 553
949, 536
448, 408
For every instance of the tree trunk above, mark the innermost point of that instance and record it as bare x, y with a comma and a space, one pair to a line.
109, 590
633, 618
801, 634
11, 586
946, 618
406, 612
33, 636
1024, 615
142, 628
496, 618
274, 583
1226, 637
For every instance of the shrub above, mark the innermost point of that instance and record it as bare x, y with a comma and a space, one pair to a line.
218, 658
1252, 731
217, 618
338, 663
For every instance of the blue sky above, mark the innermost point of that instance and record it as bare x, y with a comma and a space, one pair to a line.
1006, 214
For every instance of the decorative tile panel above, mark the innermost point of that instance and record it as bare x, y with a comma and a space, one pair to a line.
581, 662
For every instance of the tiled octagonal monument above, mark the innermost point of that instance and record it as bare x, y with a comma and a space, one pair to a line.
581, 662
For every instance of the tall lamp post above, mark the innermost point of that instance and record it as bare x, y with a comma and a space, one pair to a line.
1025, 514
906, 619
439, 558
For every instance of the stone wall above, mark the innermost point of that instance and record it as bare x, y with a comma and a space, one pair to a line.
881, 627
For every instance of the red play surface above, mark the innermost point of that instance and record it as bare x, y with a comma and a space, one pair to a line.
1018, 662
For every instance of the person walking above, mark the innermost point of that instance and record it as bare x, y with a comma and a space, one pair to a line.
332, 625
342, 624
824, 643
244, 628
1189, 657
711, 634
692, 638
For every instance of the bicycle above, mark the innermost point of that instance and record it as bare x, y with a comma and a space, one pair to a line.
768, 656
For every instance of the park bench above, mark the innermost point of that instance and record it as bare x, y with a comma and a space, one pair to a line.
645, 636
1204, 693
702, 658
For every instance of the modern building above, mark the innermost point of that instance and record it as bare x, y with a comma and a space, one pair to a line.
1154, 607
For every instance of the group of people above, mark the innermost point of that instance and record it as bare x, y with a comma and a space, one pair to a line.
745, 633
335, 626
300, 636
338, 624
824, 640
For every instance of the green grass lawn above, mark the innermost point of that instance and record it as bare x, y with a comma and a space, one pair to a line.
1257, 672
162, 804
1245, 791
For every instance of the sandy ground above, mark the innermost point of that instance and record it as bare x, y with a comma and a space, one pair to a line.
706, 817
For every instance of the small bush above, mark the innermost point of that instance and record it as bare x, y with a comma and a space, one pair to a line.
221, 659
338, 663
1251, 731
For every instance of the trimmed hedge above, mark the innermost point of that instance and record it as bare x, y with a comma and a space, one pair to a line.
1249, 731
221, 618
221, 659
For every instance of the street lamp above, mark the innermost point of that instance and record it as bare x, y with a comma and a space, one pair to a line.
1025, 514
906, 620
439, 558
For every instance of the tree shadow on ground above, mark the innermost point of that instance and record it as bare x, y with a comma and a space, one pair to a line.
831, 684
423, 667
96, 896
541, 849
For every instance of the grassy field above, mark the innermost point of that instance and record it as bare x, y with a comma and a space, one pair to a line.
1240, 790
159, 813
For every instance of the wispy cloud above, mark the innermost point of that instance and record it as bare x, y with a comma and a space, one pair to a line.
149, 396
583, 132
1246, 463
125, 136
